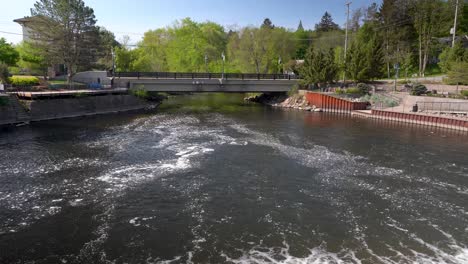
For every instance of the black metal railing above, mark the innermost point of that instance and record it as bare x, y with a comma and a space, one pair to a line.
201, 75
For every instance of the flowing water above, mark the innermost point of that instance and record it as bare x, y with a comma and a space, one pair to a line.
211, 179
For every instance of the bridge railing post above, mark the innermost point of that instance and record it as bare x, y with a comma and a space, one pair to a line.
258, 76
138, 75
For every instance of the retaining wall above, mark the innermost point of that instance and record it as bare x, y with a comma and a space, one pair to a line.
333, 104
411, 118
48, 109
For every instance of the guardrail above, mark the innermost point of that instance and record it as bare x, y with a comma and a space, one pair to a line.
452, 107
200, 75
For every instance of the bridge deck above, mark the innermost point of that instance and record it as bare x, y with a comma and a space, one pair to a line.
206, 82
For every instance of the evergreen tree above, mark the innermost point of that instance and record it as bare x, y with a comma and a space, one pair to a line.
319, 67
300, 27
326, 24
267, 24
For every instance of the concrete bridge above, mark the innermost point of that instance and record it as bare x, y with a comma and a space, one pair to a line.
205, 82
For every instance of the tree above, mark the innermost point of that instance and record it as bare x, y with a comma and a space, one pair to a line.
300, 27
427, 21
452, 55
319, 67
267, 24
31, 59
258, 49
65, 32
8, 54
365, 59
326, 24
458, 74
107, 43
355, 22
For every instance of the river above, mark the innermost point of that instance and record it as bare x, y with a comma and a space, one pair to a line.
211, 179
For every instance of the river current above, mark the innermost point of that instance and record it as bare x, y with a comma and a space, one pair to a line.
211, 179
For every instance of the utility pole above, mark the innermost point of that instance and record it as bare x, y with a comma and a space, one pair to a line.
455, 25
346, 41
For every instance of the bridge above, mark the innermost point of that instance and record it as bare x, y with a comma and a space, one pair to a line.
205, 82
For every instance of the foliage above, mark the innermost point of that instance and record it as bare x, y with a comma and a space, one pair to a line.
8, 54
353, 90
452, 55
144, 94
464, 93
418, 89
458, 73
267, 24
65, 32
319, 67
31, 60
4, 73
294, 90
340, 91
23, 80
326, 24
363, 88
380, 100
259, 49
4, 100
365, 59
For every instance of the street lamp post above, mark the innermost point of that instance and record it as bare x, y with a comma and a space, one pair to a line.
279, 65
224, 59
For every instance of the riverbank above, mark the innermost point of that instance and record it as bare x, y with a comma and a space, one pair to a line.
296, 101
32, 107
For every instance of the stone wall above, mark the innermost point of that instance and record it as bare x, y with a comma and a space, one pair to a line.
48, 109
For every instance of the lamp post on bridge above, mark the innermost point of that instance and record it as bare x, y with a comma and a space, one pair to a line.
206, 63
224, 59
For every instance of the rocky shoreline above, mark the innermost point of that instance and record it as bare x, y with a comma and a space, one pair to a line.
296, 101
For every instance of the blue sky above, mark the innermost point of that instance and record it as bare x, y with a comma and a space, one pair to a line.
134, 17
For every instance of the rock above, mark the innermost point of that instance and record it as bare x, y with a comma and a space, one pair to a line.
318, 110
308, 108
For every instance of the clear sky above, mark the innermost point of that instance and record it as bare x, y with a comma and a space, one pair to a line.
134, 17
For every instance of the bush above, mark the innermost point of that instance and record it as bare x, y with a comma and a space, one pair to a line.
363, 88
23, 80
147, 95
294, 90
353, 90
340, 91
418, 89
464, 93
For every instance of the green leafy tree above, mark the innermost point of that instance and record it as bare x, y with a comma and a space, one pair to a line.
65, 32
326, 24
452, 55
8, 54
31, 59
458, 73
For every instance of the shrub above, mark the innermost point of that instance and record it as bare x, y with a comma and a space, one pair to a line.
294, 90
363, 88
339, 91
23, 80
353, 90
147, 95
464, 93
418, 89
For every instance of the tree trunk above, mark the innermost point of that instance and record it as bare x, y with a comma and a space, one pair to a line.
69, 75
420, 55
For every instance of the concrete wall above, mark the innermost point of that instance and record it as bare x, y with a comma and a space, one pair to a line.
74, 107
7, 112
48, 109
92, 77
